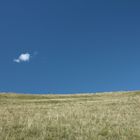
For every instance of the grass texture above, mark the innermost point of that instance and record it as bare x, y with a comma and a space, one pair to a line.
106, 116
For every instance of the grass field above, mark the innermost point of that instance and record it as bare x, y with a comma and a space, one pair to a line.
108, 116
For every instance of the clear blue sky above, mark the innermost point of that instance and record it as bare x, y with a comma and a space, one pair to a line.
75, 46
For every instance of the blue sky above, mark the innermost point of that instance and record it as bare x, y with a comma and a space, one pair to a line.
72, 46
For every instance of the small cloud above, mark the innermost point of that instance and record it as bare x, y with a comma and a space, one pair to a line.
17, 60
25, 57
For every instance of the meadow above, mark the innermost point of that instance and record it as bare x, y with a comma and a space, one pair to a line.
103, 116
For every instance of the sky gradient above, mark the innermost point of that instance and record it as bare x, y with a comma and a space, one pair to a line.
75, 46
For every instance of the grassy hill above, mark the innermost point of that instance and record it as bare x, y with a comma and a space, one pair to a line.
107, 116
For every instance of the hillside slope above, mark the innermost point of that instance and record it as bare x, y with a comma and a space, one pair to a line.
108, 116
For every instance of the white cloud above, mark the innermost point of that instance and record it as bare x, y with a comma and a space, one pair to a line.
25, 57
17, 60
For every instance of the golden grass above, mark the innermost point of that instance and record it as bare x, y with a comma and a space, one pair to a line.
114, 116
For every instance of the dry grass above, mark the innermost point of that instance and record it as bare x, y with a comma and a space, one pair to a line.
113, 116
